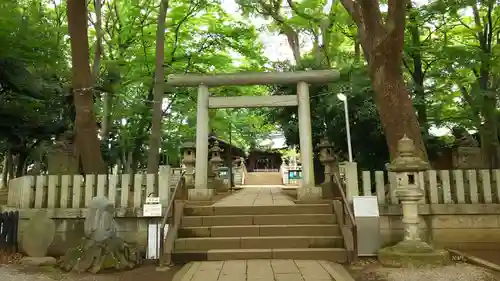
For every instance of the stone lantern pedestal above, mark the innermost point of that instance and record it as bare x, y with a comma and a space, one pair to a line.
412, 251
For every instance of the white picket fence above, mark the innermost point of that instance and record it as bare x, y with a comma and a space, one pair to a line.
76, 191
441, 186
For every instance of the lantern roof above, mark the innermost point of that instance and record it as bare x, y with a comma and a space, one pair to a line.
324, 143
407, 161
188, 145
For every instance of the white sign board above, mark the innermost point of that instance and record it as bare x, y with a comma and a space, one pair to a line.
151, 210
365, 206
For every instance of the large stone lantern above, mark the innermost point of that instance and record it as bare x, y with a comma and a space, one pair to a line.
215, 159
188, 151
412, 251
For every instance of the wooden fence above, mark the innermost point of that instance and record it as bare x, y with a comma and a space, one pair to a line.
76, 191
441, 186
9, 226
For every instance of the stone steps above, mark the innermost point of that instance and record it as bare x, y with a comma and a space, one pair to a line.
258, 210
260, 230
302, 231
330, 254
258, 220
259, 242
264, 178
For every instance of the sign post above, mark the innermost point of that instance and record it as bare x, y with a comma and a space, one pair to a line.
224, 175
366, 214
153, 209
294, 176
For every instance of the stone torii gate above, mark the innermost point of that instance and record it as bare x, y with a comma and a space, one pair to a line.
307, 190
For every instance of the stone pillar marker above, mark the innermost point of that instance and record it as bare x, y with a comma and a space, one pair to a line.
412, 251
201, 191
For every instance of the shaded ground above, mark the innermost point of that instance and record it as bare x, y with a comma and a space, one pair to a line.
491, 256
368, 269
146, 272
12, 271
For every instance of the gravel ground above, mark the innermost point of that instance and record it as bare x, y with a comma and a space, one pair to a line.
18, 273
370, 270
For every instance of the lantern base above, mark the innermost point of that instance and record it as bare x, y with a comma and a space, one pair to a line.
200, 194
413, 254
309, 193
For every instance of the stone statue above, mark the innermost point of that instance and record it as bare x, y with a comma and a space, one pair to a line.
463, 138
99, 223
62, 157
100, 247
466, 153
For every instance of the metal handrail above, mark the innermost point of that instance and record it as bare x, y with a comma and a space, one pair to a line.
166, 216
347, 209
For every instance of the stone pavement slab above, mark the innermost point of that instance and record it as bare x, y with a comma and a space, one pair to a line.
263, 270
256, 196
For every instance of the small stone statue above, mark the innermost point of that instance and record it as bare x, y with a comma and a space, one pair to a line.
100, 224
100, 248
463, 138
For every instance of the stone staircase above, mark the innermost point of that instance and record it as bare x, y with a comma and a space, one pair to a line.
302, 231
264, 178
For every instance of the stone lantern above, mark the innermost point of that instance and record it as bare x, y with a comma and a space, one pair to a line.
412, 251
215, 162
188, 151
326, 157
215, 159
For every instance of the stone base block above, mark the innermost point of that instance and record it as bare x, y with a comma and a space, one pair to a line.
413, 254
309, 193
199, 194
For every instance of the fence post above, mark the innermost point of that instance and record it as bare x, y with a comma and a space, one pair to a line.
26, 191
164, 184
351, 180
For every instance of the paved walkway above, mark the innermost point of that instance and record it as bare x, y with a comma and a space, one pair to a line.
256, 196
263, 270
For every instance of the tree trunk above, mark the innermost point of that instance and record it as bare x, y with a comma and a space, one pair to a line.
395, 108
489, 133
7, 160
96, 66
85, 123
22, 157
382, 43
155, 137
10, 165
